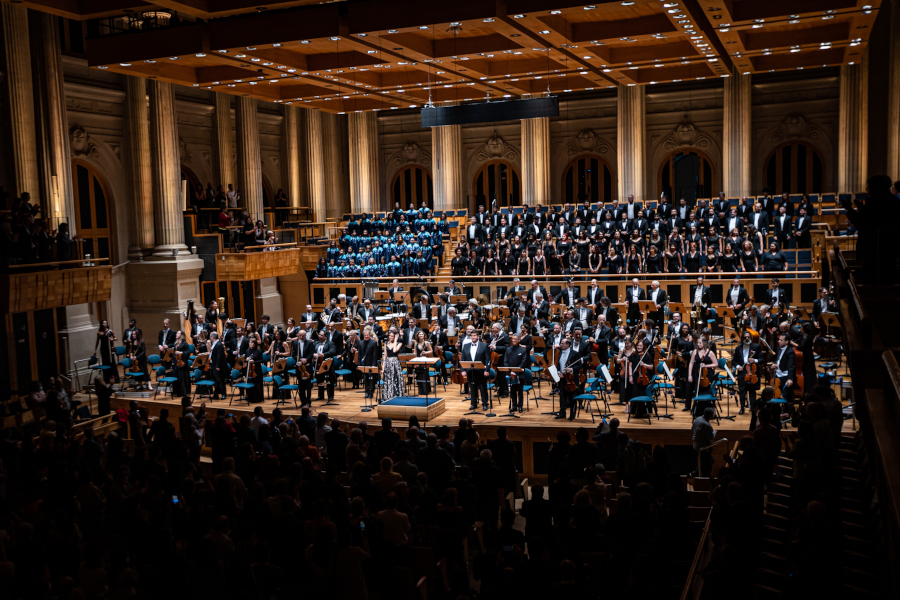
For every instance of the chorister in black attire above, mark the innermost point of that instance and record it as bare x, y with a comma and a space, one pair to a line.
254, 371
217, 365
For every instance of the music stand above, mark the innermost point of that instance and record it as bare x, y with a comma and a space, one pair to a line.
541, 361
646, 307
367, 371
167, 355
830, 320
239, 363
427, 361
510, 370
474, 366
323, 369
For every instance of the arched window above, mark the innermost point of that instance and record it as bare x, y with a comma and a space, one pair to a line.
268, 195
497, 180
796, 168
588, 177
192, 182
687, 174
412, 185
92, 215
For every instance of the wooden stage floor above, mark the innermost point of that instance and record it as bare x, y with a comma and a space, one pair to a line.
531, 424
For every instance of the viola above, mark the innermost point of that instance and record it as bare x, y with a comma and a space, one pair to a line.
251, 370
704, 376
799, 380
180, 356
570, 383
643, 377
302, 371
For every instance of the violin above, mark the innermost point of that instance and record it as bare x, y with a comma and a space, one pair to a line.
750, 375
180, 361
570, 383
251, 370
642, 374
799, 380
704, 376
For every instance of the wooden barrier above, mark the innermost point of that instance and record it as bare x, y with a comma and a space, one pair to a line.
23, 292
256, 265
802, 287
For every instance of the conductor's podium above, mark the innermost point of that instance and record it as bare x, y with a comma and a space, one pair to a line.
404, 407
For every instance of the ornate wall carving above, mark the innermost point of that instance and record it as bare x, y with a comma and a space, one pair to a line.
795, 127
685, 136
81, 143
494, 148
410, 154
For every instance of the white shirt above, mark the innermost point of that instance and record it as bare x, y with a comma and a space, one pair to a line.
778, 371
635, 293
653, 295
698, 295
473, 348
630, 206
563, 359
735, 292
232, 198
732, 223
775, 297
746, 350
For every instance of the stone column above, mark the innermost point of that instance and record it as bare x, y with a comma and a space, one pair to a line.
334, 129
168, 199
21, 101
290, 140
314, 138
56, 193
736, 136
364, 167
536, 161
249, 167
223, 146
893, 123
853, 144
447, 154
631, 130
137, 166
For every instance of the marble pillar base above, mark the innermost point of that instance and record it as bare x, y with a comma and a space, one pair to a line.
159, 289
270, 302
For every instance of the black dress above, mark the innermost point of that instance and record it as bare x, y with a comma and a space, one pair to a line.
692, 262
729, 263
256, 394
748, 261
459, 264
653, 264
614, 264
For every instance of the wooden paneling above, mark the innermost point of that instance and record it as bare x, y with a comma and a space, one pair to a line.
310, 255
256, 265
52, 289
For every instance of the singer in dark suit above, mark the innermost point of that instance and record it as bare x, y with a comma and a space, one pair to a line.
218, 365
477, 351
369, 355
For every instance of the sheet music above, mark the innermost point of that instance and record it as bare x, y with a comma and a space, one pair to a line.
604, 370
553, 373
728, 370
666, 369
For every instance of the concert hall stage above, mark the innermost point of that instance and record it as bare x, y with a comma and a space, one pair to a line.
530, 432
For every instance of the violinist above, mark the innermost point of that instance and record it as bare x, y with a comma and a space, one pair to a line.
823, 304
517, 355
675, 324
182, 365
584, 314
439, 342
745, 364
640, 369
323, 350
737, 298
254, 371
580, 345
601, 336
606, 309
776, 297
623, 368
701, 370
302, 352
498, 342
753, 320
218, 366
291, 329
783, 367
569, 365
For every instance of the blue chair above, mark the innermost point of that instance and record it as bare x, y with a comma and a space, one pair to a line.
197, 378
135, 377
291, 366
166, 381
706, 399
340, 371
238, 383
291, 388
644, 402
268, 378
435, 373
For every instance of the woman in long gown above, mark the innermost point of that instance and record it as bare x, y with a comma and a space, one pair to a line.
392, 379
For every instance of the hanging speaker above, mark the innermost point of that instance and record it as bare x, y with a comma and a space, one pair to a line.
491, 112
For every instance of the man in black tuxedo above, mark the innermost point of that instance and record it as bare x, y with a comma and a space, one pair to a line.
767, 203
673, 222
720, 206
477, 351
309, 317
609, 311
166, 337
335, 337
570, 295
230, 337
567, 364
593, 295
601, 335
242, 342
474, 231
365, 310
710, 221
518, 320
776, 297
422, 310
536, 289
659, 298
683, 210
218, 365
452, 289
616, 211
560, 228
737, 299
632, 208
802, 228
664, 208
700, 299
583, 314
369, 354
782, 228
746, 354
783, 366
302, 352
517, 356
265, 328
569, 214
540, 308
758, 218
498, 342
409, 333
640, 224
322, 351
633, 295
450, 322
733, 221
585, 213
395, 288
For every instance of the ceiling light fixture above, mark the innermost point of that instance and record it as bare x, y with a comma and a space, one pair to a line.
276, 45
555, 12
124, 64
518, 16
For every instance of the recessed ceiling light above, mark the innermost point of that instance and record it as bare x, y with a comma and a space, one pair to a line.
268, 64
362, 34
555, 12
795, 49
149, 60
199, 55
673, 11
590, 7
102, 67
627, 3
607, 70
371, 51
488, 20
334, 38
173, 58
392, 31
124, 64
304, 41
240, 56
423, 27
670, 5
518, 16
276, 45
826, 17
251, 47
757, 26
544, 31
255, 59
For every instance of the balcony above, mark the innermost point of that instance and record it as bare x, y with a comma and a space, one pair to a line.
256, 264
38, 290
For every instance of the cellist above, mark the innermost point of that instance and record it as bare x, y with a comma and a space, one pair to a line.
745, 364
